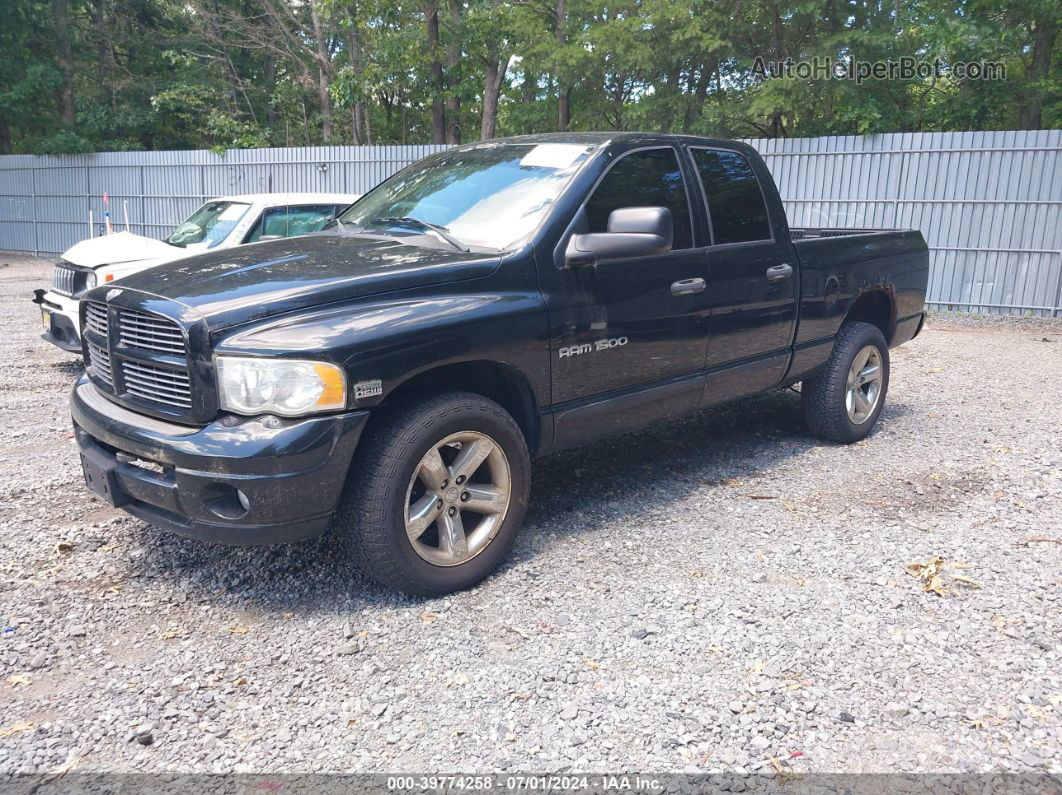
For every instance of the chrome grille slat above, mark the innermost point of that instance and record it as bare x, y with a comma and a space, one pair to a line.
134, 323
158, 384
150, 332
148, 343
96, 317
63, 280
100, 363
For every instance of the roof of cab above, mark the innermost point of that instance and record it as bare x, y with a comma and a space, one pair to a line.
279, 199
603, 138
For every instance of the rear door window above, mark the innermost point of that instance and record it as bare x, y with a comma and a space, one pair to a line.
735, 201
649, 178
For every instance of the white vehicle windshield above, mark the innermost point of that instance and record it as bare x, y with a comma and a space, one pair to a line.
490, 196
208, 226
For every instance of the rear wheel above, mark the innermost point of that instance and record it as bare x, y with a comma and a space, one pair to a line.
842, 402
437, 494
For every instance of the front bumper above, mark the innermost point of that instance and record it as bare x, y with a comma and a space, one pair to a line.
185, 479
61, 319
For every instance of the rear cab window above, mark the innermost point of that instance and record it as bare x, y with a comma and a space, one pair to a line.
644, 178
736, 209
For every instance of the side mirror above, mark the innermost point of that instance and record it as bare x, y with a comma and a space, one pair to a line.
632, 232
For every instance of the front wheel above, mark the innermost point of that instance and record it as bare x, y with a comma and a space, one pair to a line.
437, 494
842, 402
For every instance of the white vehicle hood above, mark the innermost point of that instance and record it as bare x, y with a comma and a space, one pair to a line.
122, 247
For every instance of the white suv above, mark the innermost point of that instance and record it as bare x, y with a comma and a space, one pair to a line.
220, 223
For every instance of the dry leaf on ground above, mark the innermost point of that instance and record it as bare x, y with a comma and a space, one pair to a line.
936, 573
7, 731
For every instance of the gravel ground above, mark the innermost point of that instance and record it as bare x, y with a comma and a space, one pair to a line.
708, 595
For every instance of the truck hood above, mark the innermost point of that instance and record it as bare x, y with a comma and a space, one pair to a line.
238, 285
119, 248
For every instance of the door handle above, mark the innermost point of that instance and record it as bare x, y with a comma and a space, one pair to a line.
779, 272
687, 286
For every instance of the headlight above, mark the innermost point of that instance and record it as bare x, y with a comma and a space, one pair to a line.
90, 280
289, 387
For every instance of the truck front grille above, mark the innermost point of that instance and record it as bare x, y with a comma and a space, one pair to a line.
122, 351
69, 280
63, 279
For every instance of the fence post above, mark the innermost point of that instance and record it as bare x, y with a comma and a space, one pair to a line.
33, 199
1058, 291
143, 211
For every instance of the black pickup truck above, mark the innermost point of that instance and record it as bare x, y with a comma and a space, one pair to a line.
393, 375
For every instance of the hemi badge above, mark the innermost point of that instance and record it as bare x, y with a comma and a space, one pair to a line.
368, 389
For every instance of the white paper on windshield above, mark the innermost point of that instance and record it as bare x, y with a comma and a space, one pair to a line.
554, 155
232, 212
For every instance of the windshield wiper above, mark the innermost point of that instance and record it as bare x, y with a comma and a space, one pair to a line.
408, 220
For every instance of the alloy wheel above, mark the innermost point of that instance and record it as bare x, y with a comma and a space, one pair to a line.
457, 498
864, 385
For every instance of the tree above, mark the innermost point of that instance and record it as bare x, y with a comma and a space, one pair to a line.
82, 75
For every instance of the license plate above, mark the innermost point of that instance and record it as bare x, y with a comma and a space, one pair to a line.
101, 482
46, 318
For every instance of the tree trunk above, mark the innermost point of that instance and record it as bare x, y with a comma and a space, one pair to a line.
564, 91
65, 57
324, 74
438, 114
104, 59
270, 75
777, 128
359, 127
695, 110
1044, 35
324, 99
493, 78
494, 69
453, 76
530, 96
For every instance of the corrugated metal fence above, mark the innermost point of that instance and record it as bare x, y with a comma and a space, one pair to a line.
45, 200
989, 203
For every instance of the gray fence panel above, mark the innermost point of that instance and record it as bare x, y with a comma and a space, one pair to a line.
989, 203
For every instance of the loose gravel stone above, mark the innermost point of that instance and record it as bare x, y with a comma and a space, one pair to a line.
648, 596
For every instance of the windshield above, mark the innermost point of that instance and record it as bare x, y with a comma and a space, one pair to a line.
209, 225
491, 196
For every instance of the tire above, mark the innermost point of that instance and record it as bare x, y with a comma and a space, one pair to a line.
828, 409
392, 469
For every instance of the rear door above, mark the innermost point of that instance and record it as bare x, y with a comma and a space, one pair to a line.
627, 345
752, 285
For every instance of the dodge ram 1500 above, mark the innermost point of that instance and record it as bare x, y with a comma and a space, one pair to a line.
391, 376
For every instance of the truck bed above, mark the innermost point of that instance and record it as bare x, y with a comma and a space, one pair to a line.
807, 232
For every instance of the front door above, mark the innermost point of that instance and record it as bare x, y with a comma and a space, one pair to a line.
629, 337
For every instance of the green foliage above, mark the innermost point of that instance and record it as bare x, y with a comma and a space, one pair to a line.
158, 74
